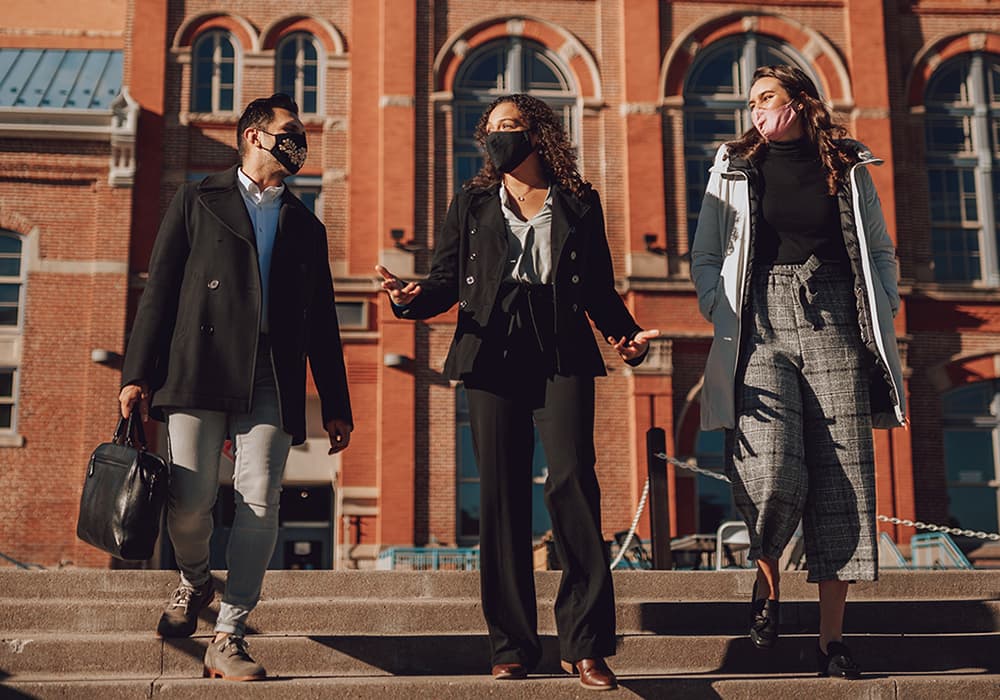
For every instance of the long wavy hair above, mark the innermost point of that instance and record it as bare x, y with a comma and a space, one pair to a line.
817, 123
554, 150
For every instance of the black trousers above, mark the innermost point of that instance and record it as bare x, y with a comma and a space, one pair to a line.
502, 410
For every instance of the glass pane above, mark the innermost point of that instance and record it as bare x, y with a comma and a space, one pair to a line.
949, 135
9, 293
973, 507
226, 47
717, 73
994, 79
466, 119
10, 244
540, 520
309, 48
953, 196
950, 84
6, 416
310, 75
6, 383
309, 103
696, 175
466, 455
8, 315
351, 314
286, 78
968, 456
487, 71
227, 73
10, 267
541, 74
466, 168
711, 126
205, 48
468, 510
974, 399
226, 100
956, 255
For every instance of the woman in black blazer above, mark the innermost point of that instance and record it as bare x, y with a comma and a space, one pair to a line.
524, 254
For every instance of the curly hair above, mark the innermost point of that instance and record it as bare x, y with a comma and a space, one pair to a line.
817, 123
554, 150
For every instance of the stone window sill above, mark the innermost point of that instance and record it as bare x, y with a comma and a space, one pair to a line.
11, 440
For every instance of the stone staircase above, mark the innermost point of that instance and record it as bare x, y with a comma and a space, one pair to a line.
89, 634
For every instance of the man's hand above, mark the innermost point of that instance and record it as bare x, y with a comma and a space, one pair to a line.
401, 293
340, 434
132, 393
631, 349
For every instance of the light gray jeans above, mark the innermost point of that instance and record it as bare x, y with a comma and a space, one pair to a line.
261, 448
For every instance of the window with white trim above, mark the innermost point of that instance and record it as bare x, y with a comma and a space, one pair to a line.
971, 422
297, 70
11, 279
962, 135
213, 72
8, 376
504, 67
715, 103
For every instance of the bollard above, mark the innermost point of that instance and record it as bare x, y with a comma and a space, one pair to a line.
659, 499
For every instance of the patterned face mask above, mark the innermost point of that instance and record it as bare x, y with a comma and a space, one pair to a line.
290, 150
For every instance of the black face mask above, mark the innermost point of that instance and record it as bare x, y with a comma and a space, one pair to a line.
508, 149
290, 150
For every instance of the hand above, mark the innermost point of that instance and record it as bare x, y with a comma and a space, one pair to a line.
631, 349
401, 293
129, 395
340, 434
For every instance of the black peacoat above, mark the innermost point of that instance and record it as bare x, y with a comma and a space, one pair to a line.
470, 258
194, 340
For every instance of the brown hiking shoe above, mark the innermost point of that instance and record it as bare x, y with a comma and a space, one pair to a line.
230, 661
180, 616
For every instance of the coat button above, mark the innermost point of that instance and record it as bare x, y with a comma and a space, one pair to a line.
575, 279
470, 280
463, 303
572, 255
213, 284
576, 307
472, 255
472, 231
207, 329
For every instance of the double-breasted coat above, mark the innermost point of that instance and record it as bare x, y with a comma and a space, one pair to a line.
470, 258
194, 340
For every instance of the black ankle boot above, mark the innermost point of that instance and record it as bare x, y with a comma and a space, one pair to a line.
837, 662
764, 621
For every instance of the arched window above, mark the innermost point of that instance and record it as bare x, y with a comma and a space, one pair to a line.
971, 422
962, 133
12, 276
505, 67
298, 62
715, 103
213, 77
467, 524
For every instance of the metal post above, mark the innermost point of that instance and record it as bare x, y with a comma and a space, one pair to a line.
659, 499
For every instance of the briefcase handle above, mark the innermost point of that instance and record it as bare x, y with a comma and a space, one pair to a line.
130, 433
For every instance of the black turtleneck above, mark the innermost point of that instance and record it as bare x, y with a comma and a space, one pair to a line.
797, 216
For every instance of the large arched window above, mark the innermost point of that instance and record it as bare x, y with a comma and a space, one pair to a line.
715, 103
213, 76
971, 421
962, 133
12, 275
467, 525
505, 67
298, 63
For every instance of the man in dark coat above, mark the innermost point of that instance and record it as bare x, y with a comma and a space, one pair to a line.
239, 295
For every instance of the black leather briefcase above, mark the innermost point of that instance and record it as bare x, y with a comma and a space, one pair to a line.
123, 494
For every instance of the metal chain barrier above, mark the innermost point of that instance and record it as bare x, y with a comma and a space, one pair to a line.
635, 524
992, 536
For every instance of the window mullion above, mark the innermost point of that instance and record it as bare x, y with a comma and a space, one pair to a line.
216, 73
515, 67
984, 173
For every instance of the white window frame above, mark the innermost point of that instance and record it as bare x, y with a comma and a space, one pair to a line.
216, 36
299, 88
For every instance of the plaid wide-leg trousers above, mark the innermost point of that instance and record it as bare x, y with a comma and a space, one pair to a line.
802, 445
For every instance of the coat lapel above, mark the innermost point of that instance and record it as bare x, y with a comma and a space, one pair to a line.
490, 225
220, 195
567, 210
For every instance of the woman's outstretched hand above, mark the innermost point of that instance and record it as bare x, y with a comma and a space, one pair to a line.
631, 349
401, 293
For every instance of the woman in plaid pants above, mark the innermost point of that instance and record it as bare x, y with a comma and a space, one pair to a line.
796, 271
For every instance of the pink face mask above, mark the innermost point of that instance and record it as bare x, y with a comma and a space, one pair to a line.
774, 123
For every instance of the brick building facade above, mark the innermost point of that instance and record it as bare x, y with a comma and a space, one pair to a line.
390, 90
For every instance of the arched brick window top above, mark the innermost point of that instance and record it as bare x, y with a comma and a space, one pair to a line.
241, 30
564, 44
328, 36
936, 52
823, 59
215, 64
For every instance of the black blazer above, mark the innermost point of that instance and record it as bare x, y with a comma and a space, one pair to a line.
469, 261
194, 341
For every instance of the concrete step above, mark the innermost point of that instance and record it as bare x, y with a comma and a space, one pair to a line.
100, 584
431, 616
144, 655
727, 687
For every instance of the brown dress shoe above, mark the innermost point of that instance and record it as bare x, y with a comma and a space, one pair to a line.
594, 674
509, 672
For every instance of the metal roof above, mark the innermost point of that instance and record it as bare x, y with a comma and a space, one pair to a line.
59, 78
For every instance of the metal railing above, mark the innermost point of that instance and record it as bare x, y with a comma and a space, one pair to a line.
428, 559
